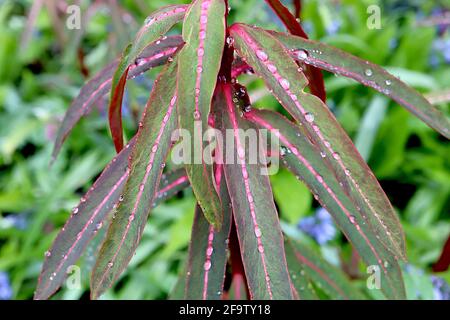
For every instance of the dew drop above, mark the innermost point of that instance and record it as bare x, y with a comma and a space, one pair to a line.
47, 253
131, 218
285, 84
272, 68
368, 72
209, 251
302, 55
121, 198
309, 117
258, 232
260, 248
323, 154
149, 20
197, 115
83, 199
386, 264
99, 226
320, 179
110, 264
388, 82
201, 52
207, 265
347, 172
283, 150
352, 219
75, 210
199, 69
230, 41
262, 55
336, 156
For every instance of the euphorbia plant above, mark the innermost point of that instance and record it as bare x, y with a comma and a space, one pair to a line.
236, 222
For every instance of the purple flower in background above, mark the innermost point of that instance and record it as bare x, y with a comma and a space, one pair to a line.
333, 27
441, 288
5, 287
320, 226
18, 221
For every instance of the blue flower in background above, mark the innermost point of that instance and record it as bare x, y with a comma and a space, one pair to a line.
333, 27
18, 221
5, 287
320, 226
441, 288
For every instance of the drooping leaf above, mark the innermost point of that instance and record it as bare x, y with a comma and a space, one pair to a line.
273, 63
151, 148
155, 26
152, 56
300, 280
257, 224
342, 63
313, 74
208, 248
324, 275
87, 218
199, 64
307, 162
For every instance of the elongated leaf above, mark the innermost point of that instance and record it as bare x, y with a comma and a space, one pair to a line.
237, 289
199, 64
87, 218
306, 161
208, 252
171, 183
313, 74
300, 281
326, 276
152, 56
154, 27
339, 62
273, 63
147, 159
256, 217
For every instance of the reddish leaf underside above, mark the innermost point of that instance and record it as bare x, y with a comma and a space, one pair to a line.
341, 63
152, 56
273, 63
155, 26
152, 146
256, 217
199, 64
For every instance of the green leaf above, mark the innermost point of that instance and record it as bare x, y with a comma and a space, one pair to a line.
274, 64
152, 56
307, 163
324, 275
86, 219
339, 62
207, 259
156, 25
257, 224
152, 146
199, 64
300, 280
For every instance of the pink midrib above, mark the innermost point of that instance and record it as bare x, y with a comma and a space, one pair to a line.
248, 192
141, 190
97, 210
208, 259
251, 116
172, 185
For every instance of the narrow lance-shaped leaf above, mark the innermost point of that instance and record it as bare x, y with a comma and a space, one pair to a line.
339, 62
324, 275
274, 64
156, 25
306, 161
256, 217
300, 281
151, 148
208, 248
199, 64
87, 218
313, 74
152, 56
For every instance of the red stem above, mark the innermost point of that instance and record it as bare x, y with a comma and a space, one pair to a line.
443, 263
237, 267
298, 8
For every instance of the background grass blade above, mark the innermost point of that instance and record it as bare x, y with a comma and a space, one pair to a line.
256, 217
342, 63
147, 161
199, 64
273, 63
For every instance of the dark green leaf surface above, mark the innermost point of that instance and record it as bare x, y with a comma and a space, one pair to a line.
152, 146
199, 64
256, 217
274, 64
307, 163
339, 62
324, 275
